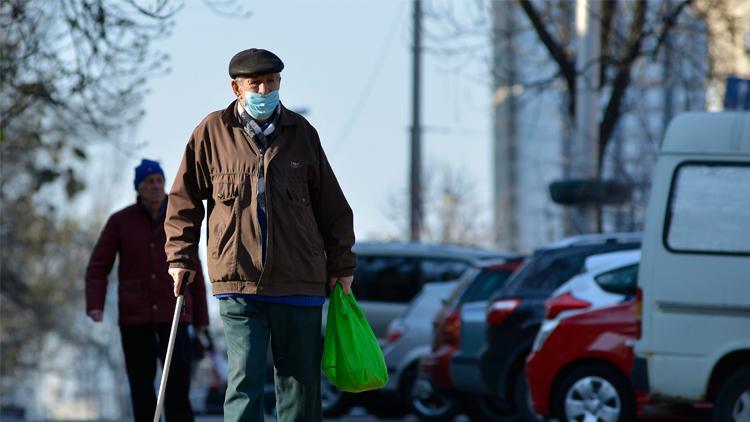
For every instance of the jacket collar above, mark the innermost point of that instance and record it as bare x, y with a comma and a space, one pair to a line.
143, 209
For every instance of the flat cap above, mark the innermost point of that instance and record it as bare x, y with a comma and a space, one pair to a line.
254, 61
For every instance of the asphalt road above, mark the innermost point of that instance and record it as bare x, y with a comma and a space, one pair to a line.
655, 413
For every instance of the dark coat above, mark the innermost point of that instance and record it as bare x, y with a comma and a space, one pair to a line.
145, 289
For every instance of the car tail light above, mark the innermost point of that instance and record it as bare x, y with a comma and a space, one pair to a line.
638, 312
449, 331
500, 309
564, 302
437, 366
395, 331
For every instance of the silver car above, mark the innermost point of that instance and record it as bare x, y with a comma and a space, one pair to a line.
409, 339
390, 274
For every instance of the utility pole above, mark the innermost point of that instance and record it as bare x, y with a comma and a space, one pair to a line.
585, 146
415, 202
505, 143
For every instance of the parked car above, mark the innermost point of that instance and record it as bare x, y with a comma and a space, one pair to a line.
583, 354
409, 339
387, 277
458, 338
516, 312
607, 279
694, 275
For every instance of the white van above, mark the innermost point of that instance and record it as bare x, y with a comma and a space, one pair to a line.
694, 277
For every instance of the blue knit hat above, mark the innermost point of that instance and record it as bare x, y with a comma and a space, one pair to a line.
144, 169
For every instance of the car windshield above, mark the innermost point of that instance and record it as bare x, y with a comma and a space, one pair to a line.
547, 271
528, 267
463, 282
487, 282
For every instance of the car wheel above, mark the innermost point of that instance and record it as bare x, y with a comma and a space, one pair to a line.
594, 392
490, 408
333, 402
426, 402
383, 405
733, 399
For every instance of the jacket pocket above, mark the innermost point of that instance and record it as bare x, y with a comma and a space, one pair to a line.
224, 225
225, 190
130, 285
297, 195
223, 216
132, 298
298, 253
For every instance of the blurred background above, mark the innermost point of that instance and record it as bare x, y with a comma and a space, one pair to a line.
470, 122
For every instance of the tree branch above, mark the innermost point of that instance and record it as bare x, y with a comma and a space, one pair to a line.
669, 22
622, 79
567, 68
608, 12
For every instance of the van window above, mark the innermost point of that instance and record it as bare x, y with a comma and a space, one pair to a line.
621, 281
709, 209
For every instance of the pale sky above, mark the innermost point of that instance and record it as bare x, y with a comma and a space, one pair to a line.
349, 65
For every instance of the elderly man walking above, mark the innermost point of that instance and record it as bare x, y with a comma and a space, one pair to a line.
145, 300
279, 229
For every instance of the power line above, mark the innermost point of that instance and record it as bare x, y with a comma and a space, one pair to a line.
359, 105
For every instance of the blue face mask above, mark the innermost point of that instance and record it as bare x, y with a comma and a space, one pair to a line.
259, 106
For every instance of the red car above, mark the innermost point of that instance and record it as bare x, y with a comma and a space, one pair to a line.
452, 336
582, 366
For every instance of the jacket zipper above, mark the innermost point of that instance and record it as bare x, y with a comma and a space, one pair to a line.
261, 171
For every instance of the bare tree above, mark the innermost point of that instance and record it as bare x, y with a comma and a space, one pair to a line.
453, 214
630, 31
648, 49
72, 73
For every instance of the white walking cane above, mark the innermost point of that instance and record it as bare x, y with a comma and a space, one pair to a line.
170, 347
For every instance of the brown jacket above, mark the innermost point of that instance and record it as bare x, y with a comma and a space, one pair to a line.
310, 224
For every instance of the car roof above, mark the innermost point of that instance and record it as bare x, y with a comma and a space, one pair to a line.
593, 239
431, 250
430, 299
491, 263
578, 246
729, 133
611, 260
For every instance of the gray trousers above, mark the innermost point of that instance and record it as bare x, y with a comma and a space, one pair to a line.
295, 336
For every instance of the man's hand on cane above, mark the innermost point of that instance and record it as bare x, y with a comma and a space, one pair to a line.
177, 277
346, 283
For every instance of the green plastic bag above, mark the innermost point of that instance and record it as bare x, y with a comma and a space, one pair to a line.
352, 358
